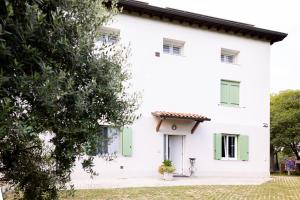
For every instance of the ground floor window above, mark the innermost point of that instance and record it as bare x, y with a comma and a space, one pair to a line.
229, 146
107, 142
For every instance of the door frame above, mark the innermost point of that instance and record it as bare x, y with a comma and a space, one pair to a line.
167, 149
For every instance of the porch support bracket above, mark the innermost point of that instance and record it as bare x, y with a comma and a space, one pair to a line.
159, 124
195, 126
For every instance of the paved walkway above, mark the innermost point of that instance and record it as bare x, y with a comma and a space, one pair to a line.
279, 188
158, 182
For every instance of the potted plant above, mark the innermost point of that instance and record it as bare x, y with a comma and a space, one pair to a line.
167, 170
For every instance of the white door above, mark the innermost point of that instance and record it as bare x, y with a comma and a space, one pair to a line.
175, 153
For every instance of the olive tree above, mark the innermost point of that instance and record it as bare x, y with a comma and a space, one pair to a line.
55, 81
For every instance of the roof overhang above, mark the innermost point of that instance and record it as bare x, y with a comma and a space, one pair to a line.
212, 23
163, 115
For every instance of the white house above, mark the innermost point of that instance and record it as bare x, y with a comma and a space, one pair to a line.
205, 87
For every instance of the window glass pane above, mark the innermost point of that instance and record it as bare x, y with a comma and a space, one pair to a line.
222, 58
176, 50
113, 143
223, 146
103, 142
112, 39
107, 141
231, 146
102, 38
166, 48
227, 58
230, 58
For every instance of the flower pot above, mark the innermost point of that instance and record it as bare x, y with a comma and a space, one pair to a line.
168, 176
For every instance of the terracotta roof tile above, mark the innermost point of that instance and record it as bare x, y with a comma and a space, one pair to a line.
164, 114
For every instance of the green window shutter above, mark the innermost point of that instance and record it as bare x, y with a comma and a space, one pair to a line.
235, 93
218, 146
224, 92
243, 147
230, 92
127, 141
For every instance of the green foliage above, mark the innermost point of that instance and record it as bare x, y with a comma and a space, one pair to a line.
167, 163
285, 121
55, 82
166, 167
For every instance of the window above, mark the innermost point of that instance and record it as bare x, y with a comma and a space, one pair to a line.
111, 141
176, 50
229, 146
166, 48
109, 36
106, 142
173, 47
229, 56
230, 93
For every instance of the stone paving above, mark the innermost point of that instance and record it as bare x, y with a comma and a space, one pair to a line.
280, 187
109, 183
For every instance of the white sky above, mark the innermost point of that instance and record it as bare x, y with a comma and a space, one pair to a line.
278, 15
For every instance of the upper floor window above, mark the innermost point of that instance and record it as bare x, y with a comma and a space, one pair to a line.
229, 56
109, 36
230, 93
173, 47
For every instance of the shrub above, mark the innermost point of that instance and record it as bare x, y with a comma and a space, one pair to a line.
166, 167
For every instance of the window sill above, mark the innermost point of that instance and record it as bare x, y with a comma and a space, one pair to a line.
230, 159
169, 54
233, 64
230, 106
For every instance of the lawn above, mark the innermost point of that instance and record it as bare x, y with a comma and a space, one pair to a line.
281, 188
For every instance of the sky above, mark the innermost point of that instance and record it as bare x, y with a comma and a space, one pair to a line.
278, 15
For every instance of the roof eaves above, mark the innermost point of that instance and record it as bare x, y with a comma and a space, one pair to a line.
210, 22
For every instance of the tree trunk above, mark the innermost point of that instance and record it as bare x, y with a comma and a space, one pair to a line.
295, 150
276, 162
272, 163
298, 167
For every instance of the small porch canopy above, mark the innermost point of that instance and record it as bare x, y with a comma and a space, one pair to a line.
163, 115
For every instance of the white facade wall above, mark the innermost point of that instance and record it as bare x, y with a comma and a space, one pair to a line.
191, 84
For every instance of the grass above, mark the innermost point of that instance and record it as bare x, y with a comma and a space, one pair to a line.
281, 188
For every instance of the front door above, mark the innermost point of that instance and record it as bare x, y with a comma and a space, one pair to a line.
175, 144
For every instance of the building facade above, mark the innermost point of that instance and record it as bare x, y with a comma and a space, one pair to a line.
205, 88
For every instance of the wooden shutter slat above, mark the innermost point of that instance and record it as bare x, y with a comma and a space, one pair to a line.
230, 92
243, 147
218, 146
235, 94
224, 92
127, 141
